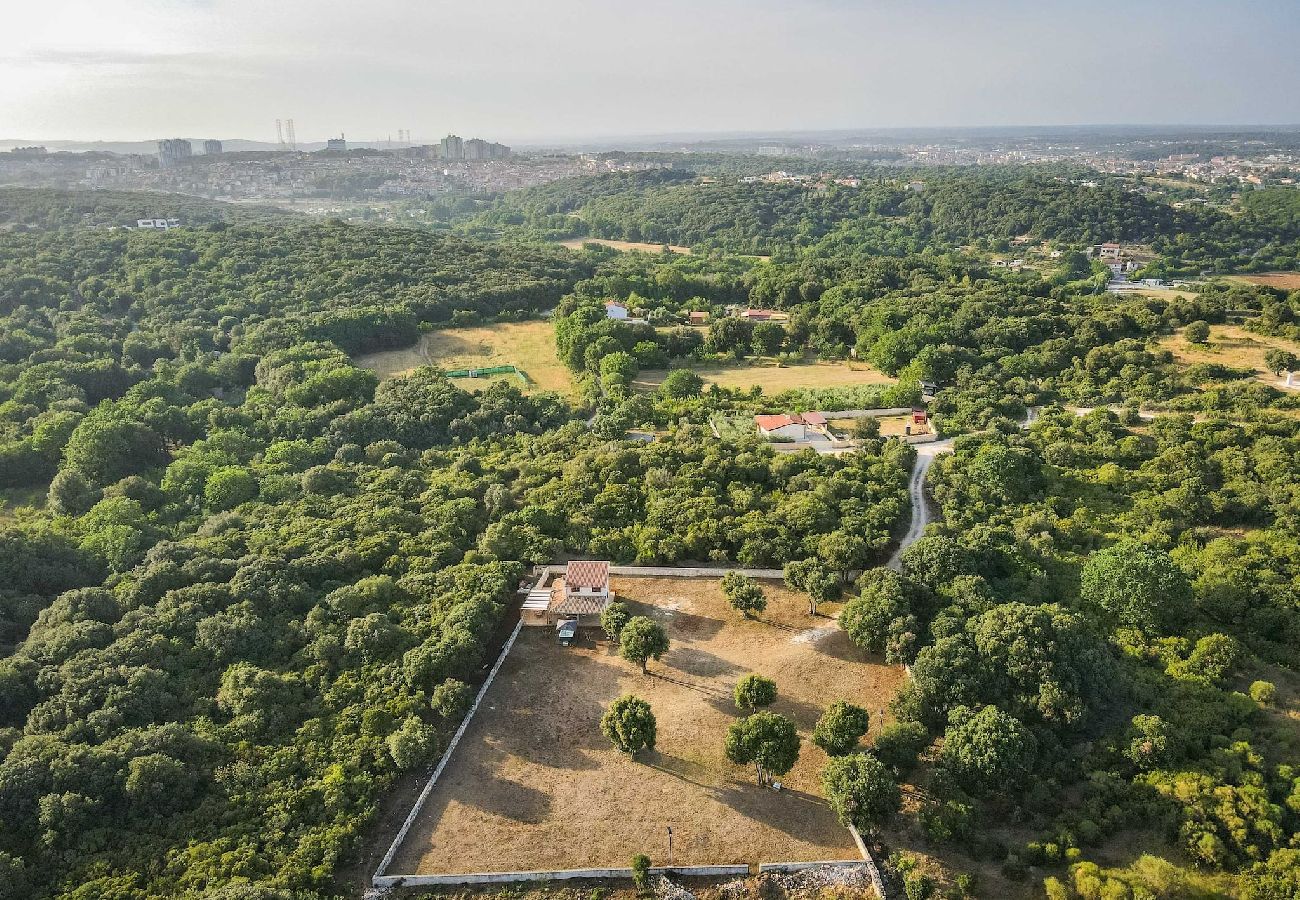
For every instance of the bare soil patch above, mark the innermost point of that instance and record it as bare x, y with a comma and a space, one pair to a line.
535, 785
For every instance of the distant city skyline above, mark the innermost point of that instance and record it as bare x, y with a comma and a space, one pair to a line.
568, 70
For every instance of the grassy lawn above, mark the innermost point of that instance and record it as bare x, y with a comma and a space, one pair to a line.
1230, 345
534, 783
773, 379
528, 345
576, 244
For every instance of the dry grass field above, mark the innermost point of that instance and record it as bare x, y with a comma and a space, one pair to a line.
528, 345
1287, 281
773, 379
576, 244
535, 785
1230, 345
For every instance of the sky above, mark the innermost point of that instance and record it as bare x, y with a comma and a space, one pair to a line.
539, 70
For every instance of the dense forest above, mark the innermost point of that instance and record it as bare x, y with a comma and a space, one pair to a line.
44, 208
952, 208
245, 584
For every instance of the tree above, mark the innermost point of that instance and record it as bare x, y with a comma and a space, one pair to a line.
768, 741
743, 594
814, 579
106, 448
900, 743
642, 640
1197, 332
866, 428
840, 728
1277, 360
228, 487
754, 691
987, 749
768, 338
71, 494
861, 790
1137, 587
1148, 746
629, 724
451, 699
883, 618
614, 618
412, 744
682, 383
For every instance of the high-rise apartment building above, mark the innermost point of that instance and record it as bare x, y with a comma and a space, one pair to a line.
173, 151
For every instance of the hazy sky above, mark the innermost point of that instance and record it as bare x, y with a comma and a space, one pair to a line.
538, 69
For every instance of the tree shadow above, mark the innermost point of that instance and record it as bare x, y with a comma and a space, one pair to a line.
837, 645
684, 769
693, 627
700, 663
796, 813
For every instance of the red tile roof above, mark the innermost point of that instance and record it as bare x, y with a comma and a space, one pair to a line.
587, 574
767, 423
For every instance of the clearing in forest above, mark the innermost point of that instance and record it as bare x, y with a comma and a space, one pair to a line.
1287, 281
527, 345
535, 785
1230, 345
576, 244
774, 379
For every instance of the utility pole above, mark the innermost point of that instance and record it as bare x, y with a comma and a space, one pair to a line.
279, 133
293, 141
670, 846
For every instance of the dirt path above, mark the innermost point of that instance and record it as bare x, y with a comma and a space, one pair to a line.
925, 454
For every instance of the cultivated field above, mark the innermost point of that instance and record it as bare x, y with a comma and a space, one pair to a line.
1230, 345
535, 785
773, 379
1288, 281
576, 244
528, 345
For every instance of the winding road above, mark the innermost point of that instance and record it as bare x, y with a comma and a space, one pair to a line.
925, 454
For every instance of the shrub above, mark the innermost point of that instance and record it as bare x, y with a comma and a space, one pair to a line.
615, 616
1263, 692
840, 727
744, 594
629, 724
753, 692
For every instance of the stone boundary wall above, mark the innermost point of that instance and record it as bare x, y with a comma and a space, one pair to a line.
873, 871
382, 881
446, 756
802, 866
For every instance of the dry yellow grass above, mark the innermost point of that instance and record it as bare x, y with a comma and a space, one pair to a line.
1288, 281
535, 785
773, 379
576, 244
527, 345
1229, 345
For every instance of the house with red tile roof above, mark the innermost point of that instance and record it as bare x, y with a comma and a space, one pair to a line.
793, 426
